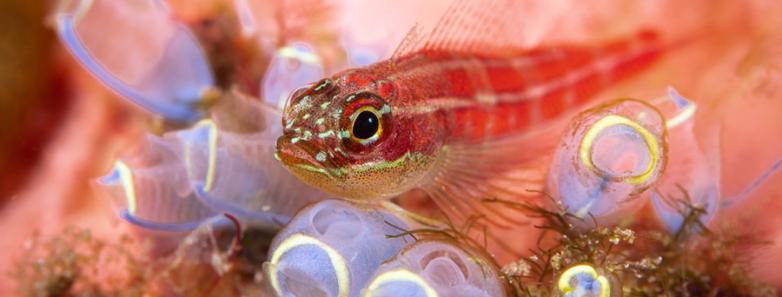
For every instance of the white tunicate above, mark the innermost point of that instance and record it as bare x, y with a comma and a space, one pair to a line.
693, 174
231, 165
149, 188
140, 52
430, 268
290, 68
331, 248
361, 54
607, 158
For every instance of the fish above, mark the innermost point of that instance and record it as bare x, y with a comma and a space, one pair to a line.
463, 113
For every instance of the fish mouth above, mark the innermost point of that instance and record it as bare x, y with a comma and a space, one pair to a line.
299, 156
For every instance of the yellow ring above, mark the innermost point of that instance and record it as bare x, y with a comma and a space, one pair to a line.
611, 120
564, 280
298, 239
211, 153
379, 131
399, 275
126, 177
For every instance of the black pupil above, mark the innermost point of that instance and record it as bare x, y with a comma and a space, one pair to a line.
365, 125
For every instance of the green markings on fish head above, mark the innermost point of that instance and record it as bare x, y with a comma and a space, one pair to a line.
342, 137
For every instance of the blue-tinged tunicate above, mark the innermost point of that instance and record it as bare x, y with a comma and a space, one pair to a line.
148, 59
331, 248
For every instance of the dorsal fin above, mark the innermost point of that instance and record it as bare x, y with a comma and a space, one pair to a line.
409, 43
489, 27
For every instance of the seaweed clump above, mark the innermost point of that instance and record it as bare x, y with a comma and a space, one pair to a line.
219, 260
74, 263
637, 259
213, 260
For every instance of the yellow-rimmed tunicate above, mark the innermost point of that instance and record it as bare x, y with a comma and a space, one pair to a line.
163, 68
583, 281
231, 165
149, 188
693, 176
331, 248
430, 268
607, 157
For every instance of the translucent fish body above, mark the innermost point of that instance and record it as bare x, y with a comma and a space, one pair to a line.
331, 248
431, 268
607, 158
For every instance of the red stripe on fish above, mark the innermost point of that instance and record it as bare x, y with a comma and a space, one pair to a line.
485, 97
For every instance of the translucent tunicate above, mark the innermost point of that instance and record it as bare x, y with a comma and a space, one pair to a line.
584, 281
607, 157
145, 56
150, 189
230, 162
290, 68
331, 248
363, 54
431, 268
693, 175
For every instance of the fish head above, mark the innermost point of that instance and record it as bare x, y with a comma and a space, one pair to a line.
341, 135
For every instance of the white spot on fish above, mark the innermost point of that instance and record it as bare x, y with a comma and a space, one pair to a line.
326, 134
321, 157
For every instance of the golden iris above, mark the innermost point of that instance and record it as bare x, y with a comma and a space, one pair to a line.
366, 125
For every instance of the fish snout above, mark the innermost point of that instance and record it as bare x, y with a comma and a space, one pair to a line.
291, 152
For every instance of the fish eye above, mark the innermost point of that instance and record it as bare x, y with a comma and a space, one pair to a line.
366, 125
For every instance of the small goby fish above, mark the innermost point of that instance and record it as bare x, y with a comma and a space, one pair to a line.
456, 114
